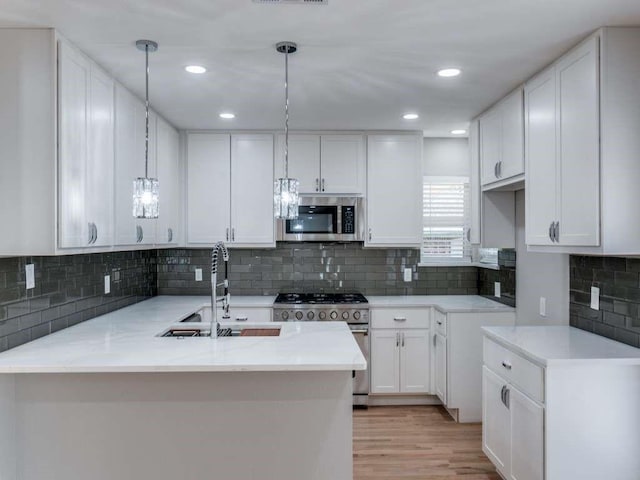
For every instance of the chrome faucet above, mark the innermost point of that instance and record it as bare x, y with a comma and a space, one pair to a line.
217, 248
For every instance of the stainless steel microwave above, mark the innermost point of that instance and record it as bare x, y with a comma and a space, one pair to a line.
325, 219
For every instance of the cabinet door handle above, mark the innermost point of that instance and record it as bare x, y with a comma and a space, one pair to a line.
141, 234
397, 338
551, 231
495, 170
399, 319
227, 234
403, 339
438, 322
170, 234
506, 365
556, 232
504, 387
507, 398
90, 234
233, 234
369, 234
500, 169
317, 184
468, 234
323, 184
95, 233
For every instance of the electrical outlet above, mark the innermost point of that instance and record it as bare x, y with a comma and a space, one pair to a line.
496, 289
198, 274
543, 307
408, 274
31, 276
107, 284
595, 298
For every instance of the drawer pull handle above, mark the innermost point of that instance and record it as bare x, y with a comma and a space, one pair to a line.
242, 319
399, 319
439, 322
506, 365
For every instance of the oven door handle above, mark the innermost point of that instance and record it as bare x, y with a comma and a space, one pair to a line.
365, 332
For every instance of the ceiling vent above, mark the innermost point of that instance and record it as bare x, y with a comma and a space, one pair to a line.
294, 2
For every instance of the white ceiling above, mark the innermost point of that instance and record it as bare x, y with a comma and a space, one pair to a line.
361, 63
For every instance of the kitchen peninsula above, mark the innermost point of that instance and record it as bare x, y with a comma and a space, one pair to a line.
111, 399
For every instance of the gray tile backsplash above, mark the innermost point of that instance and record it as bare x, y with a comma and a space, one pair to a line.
314, 267
619, 283
69, 290
506, 275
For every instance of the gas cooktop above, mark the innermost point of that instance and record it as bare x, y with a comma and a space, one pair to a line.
321, 299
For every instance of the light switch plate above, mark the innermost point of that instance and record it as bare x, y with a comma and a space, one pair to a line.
543, 307
30, 272
198, 274
496, 289
595, 298
107, 284
407, 274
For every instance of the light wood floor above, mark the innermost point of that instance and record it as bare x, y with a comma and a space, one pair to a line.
420, 442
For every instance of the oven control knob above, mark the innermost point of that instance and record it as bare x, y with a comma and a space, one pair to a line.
334, 315
345, 315
285, 315
356, 315
322, 315
310, 315
299, 315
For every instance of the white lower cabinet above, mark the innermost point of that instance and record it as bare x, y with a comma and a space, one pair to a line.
457, 359
512, 417
440, 367
400, 356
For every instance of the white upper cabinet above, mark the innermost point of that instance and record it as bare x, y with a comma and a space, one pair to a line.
86, 152
208, 188
329, 164
252, 221
394, 191
304, 161
130, 164
582, 115
230, 190
563, 159
168, 160
502, 142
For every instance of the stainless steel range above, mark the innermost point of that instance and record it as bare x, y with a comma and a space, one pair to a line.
352, 308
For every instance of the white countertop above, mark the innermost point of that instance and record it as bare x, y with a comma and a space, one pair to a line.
444, 303
126, 341
563, 345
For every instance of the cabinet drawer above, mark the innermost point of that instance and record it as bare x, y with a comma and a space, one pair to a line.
400, 318
521, 372
440, 320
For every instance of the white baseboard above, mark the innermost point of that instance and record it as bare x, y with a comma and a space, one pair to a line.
395, 400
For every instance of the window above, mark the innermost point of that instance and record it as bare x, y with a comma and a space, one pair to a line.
446, 218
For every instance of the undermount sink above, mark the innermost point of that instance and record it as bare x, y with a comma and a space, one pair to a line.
198, 324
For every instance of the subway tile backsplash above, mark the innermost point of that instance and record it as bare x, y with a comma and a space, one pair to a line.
314, 267
69, 290
506, 275
619, 283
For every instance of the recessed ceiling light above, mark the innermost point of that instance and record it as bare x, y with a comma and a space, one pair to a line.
195, 69
449, 72
227, 116
458, 132
411, 116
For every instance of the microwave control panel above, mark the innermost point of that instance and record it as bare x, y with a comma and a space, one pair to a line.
348, 220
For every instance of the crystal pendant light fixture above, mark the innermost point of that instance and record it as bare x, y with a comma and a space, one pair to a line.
285, 196
145, 189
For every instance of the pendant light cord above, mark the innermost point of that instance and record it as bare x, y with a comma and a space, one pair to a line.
146, 137
286, 113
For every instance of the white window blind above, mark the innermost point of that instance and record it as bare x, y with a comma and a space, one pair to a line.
446, 219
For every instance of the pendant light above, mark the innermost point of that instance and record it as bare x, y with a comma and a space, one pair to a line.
285, 196
145, 189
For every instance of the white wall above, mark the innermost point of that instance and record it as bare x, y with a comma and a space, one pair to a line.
539, 275
446, 156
